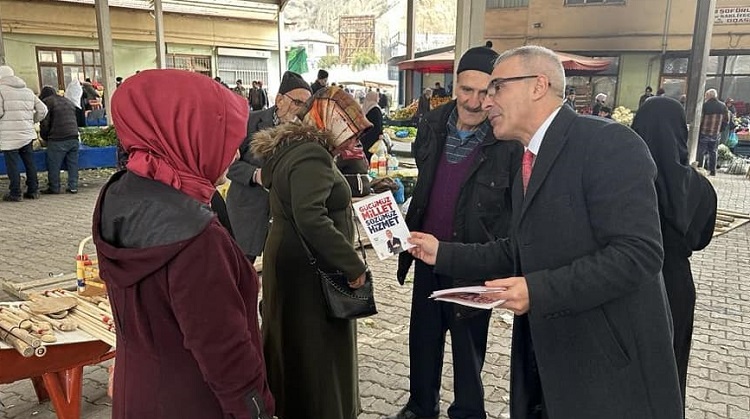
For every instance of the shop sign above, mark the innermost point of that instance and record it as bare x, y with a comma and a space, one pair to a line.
732, 15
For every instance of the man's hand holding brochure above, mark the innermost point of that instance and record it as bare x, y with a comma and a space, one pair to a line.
477, 297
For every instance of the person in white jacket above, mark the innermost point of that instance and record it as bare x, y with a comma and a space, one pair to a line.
20, 109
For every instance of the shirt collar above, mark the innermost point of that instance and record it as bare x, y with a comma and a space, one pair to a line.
536, 141
479, 133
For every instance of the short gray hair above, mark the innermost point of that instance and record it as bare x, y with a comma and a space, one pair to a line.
544, 60
712, 93
601, 96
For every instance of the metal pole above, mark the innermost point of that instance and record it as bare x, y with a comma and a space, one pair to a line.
282, 47
2, 45
703, 29
161, 46
104, 31
410, 41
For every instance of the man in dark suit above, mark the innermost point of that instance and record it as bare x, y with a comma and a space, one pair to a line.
591, 337
394, 243
247, 200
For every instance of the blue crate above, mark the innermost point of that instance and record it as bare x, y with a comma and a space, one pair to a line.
88, 158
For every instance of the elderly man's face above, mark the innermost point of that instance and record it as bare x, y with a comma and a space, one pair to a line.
509, 102
290, 103
470, 92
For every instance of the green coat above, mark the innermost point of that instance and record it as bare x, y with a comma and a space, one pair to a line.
311, 360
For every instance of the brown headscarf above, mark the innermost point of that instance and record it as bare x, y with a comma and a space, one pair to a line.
332, 109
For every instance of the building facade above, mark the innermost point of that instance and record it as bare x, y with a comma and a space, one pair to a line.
648, 41
52, 42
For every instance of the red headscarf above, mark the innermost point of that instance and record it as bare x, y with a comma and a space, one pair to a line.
179, 128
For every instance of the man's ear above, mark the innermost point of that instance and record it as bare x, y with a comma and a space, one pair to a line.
541, 87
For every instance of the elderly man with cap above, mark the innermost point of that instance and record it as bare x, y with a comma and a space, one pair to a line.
464, 195
321, 81
247, 200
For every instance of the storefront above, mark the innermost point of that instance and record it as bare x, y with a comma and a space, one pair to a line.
727, 72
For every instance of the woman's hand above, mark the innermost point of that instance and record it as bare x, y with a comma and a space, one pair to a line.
359, 282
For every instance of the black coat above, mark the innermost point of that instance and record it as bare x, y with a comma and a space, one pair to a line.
60, 123
371, 135
247, 201
484, 205
587, 238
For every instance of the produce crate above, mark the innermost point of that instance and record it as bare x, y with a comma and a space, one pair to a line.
88, 158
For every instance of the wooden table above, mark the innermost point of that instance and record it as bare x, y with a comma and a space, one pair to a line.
57, 376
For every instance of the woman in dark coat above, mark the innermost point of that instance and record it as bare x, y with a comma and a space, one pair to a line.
687, 208
374, 114
311, 359
184, 297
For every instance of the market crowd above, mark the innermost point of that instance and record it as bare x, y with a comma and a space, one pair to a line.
516, 191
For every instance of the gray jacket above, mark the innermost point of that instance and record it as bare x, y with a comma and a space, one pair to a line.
20, 109
247, 202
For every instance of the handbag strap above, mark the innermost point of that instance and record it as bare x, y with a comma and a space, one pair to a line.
310, 256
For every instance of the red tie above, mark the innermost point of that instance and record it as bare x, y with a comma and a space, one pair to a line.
526, 164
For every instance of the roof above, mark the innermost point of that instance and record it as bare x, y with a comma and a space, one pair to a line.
442, 62
239, 9
313, 35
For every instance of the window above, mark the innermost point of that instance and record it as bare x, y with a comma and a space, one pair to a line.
588, 86
195, 63
330, 50
585, 2
57, 66
506, 4
729, 75
246, 69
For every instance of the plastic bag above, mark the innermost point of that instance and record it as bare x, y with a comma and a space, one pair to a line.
732, 139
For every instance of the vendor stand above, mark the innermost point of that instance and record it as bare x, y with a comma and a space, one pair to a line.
58, 375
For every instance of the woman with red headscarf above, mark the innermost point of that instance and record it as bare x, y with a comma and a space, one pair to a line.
183, 294
311, 359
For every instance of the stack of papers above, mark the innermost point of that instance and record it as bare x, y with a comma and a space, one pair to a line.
477, 297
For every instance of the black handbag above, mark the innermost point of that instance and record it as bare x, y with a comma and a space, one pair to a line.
342, 302
359, 183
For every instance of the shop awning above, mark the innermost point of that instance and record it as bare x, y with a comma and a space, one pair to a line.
580, 63
435, 63
443, 63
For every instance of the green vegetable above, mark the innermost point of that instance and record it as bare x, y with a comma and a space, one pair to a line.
99, 137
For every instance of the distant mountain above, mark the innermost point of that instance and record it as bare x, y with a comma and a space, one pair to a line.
433, 16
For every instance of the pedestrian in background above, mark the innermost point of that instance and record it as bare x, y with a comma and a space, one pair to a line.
60, 131
20, 109
714, 120
687, 210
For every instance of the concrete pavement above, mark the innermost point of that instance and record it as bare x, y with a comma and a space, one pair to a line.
41, 237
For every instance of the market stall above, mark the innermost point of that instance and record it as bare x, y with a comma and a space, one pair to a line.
52, 334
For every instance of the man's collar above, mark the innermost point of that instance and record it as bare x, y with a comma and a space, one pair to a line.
536, 141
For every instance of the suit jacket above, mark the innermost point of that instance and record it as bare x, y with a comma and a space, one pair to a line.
394, 245
587, 238
247, 201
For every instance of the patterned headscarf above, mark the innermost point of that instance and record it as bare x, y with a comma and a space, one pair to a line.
332, 109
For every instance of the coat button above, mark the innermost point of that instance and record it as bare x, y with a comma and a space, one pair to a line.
492, 184
455, 234
479, 204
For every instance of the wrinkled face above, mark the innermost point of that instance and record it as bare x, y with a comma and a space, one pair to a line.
388, 234
290, 103
470, 93
509, 102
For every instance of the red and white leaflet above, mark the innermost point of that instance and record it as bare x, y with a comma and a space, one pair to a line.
477, 297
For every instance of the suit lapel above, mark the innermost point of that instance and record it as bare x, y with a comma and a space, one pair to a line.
554, 141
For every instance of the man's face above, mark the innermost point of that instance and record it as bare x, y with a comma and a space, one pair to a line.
388, 234
290, 103
509, 103
471, 91
324, 81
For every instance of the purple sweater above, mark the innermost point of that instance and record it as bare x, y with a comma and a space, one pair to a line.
446, 189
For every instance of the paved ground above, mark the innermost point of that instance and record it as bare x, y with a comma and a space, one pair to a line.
41, 237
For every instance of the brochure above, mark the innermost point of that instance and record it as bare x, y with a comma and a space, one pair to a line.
477, 297
384, 224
